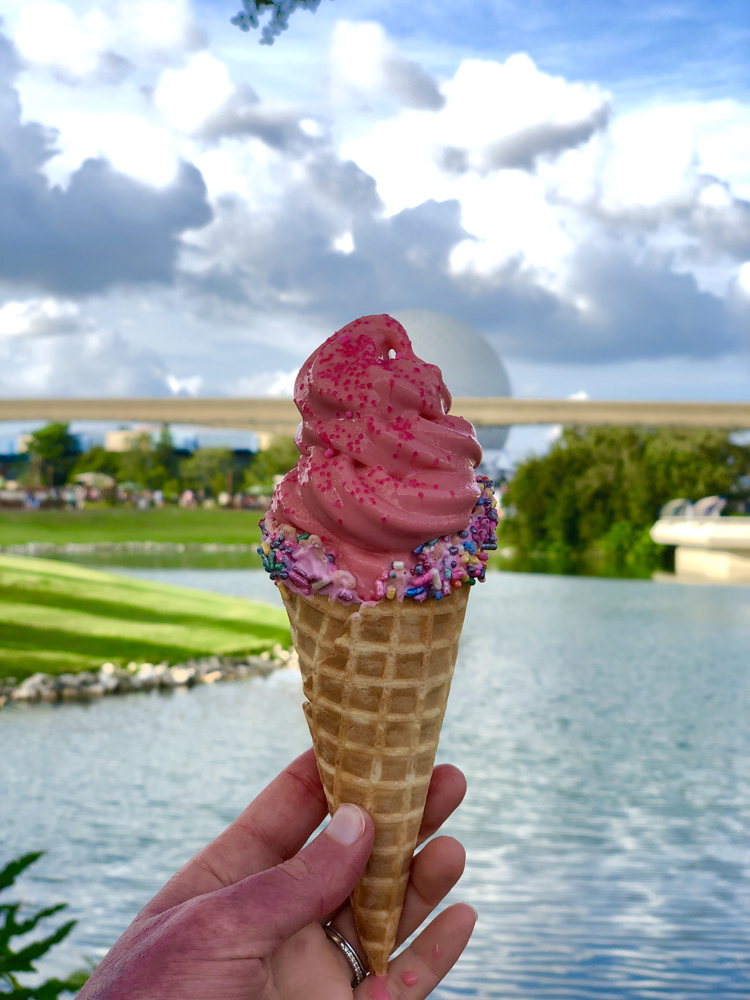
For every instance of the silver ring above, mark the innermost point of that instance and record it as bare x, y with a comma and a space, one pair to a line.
351, 956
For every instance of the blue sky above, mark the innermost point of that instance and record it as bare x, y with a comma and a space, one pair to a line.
625, 45
192, 212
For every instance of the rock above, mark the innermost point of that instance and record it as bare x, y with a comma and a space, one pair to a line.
111, 679
67, 681
183, 675
86, 678
106, 679
94, 691
145, 677
32, 687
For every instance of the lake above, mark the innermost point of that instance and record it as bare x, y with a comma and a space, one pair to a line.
603, 725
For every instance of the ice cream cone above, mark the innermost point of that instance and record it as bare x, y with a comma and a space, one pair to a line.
376, 678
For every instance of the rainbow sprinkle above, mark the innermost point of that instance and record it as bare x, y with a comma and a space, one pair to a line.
307, 566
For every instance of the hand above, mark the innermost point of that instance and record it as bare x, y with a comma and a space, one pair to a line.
243, 919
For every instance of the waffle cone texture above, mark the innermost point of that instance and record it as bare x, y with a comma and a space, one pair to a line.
376, 679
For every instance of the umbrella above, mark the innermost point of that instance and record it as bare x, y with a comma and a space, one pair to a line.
96, 480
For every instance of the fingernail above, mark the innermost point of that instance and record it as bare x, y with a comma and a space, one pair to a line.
347, 825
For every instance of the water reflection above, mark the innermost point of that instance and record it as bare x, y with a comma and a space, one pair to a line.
603, 728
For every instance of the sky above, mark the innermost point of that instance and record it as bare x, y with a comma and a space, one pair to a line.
186, 211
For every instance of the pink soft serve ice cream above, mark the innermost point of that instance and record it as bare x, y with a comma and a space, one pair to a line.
383, 469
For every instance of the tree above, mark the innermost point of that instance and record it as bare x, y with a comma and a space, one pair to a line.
14, 962
57, 449
151, 466
97, 459
166, 462
590, 502
280, 456
209, 469
249, 16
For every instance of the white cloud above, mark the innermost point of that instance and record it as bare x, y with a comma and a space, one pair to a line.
51, 35
542, 169
344, 243
100, 42
158, 27
189, 386
420, 154
365, 63
277, 383
520, 201
495, 114
187, 96
40, 318
357, 53
100, 364
132, 144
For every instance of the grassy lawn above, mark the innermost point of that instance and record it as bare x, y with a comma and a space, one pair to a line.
58, 618
126, 524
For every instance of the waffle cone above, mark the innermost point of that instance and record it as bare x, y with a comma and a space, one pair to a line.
376, 679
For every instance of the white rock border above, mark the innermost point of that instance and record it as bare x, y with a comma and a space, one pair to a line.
110, 679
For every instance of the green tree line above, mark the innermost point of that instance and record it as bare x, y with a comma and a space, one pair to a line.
56, 458
588, 504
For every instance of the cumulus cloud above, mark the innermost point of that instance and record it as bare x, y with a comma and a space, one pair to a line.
100, 364
243, 115
520, 150
100, 45
275, 383
412, 85
41, 318
521, 202
496, 116
605, 304
188, 95
105, 228
365, 62
190, 385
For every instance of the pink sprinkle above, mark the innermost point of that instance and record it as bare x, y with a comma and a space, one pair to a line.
345, 338
437, 951
348, 413
409, 978
329, 452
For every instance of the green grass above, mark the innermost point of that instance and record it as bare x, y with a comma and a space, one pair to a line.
126, 524
58, 618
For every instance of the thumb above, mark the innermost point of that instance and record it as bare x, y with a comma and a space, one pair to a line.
275, 904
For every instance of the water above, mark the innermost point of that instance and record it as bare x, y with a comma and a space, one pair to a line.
603, 727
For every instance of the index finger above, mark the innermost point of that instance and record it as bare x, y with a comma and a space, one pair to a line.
273, 828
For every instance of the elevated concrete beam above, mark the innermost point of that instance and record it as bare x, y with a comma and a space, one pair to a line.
719, 533
279, 416
709, 549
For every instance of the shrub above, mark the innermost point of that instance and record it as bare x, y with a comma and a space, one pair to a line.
13, 963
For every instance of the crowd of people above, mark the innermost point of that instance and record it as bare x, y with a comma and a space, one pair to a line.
55, 471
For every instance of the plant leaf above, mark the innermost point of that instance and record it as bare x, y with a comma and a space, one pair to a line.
13, 869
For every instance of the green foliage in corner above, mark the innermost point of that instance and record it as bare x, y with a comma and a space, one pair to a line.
13, 963
588, 505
